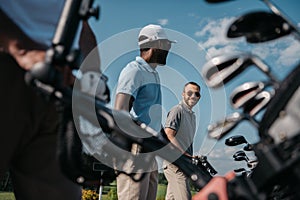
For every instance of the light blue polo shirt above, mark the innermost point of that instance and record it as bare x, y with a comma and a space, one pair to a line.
141, 81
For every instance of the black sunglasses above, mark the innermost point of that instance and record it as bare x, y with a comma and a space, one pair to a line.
190, 93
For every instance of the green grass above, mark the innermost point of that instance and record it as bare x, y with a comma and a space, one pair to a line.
161, 192
7, 196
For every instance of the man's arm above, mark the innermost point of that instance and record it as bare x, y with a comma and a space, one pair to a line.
28, 52
171, 134
123, 102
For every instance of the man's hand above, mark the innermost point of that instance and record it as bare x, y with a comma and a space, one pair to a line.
215, 189
171, 134
15, 42
25, 58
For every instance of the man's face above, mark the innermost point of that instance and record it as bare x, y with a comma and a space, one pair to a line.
161, 57
191, 95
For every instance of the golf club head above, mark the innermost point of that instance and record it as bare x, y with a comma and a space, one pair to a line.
239, 170
244, 93
239, 153
252, 164
248, 147
259, 26
258, 103
235, 140
219, 129
240, 158
221, 69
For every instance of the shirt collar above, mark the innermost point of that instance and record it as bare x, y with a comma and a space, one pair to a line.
144, 64
186, 106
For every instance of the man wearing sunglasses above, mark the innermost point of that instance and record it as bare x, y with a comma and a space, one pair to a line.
180, 128
139, 93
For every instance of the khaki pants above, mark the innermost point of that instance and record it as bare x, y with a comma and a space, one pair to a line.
146, 189
178, 183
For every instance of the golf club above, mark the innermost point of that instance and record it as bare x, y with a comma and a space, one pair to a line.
275, 9
219, 129
221, 69
241, 156
239, 170
250, 164
259, 26
259, 102
237, 140
291, 26
245, 92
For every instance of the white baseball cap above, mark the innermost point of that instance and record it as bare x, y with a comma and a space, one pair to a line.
153, 33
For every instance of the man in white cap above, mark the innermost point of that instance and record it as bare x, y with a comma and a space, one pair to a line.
139, 93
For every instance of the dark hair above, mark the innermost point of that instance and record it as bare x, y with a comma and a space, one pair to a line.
143, 47
192, 83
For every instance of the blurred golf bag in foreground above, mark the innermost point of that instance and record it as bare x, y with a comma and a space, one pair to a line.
95, 141
87, 157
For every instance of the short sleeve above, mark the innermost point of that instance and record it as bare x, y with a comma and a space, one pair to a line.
129, 82
173, 118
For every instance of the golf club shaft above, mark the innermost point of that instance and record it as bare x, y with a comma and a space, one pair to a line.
279, 12
266, 69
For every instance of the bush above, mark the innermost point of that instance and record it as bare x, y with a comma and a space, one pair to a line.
89, 194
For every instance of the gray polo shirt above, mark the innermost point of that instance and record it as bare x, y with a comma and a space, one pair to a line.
183, 121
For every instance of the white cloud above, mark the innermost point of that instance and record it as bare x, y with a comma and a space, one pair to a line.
163, 22
290, 55
282, 53
213, 38
223, 152
215, 30
262, 51
212, 51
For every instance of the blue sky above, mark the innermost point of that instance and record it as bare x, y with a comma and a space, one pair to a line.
200, 31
